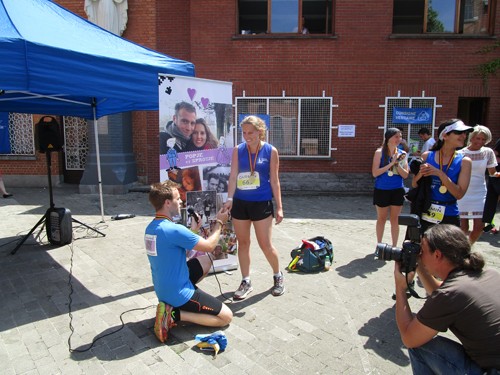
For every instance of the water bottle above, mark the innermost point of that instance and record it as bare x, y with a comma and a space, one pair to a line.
327, 263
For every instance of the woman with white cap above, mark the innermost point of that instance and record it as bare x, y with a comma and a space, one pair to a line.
389, 168
472, 204
450, 172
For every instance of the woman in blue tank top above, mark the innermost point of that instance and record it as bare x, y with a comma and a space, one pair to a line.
253, 183
389, 169
450, 172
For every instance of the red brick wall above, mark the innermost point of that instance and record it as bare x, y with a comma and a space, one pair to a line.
358, 69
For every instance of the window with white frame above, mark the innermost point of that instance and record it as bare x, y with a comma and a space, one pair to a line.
298, 126
410, 131
285, 17
467, 17
20, 135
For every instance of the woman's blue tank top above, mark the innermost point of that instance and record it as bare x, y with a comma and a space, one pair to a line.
386, 182
262, 165
452, 172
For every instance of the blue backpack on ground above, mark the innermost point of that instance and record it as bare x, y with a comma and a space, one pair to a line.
310, 256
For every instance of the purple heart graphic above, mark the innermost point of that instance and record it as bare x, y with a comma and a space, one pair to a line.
204, 101
191, 93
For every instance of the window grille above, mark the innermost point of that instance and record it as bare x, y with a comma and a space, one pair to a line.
76, 143
21, 135
298, 126
410, 131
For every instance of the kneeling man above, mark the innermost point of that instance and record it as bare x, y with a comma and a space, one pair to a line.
466, 301
174, 278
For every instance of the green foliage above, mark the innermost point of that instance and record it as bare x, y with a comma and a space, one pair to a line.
489, 67
433, 24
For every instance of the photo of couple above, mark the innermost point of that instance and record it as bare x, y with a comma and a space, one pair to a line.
190, 133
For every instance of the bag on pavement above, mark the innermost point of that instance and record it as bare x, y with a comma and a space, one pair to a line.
310, 255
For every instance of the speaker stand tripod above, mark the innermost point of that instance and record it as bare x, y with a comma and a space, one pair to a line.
45, 217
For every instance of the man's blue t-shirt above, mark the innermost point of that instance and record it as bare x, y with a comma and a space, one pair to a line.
166, 245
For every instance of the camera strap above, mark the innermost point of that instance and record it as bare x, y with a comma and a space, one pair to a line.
412, 291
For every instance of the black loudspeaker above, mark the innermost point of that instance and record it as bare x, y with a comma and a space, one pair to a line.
58, 224
47, 135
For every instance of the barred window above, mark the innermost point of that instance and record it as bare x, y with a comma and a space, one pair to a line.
76, 142
20, 135
298, 126
410, 131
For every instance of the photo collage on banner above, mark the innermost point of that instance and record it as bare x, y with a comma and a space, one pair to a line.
196, 144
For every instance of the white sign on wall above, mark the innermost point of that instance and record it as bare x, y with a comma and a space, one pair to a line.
347, 130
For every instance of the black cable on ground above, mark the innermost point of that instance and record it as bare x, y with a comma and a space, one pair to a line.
71, 315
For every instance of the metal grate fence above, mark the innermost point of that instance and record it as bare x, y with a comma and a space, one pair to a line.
76, 142
410, 131
298, 126
21, 135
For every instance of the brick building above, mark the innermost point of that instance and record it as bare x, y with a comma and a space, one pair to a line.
358, 60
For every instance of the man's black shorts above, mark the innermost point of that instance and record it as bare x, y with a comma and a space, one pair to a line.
200, 302
253, 211
386, 198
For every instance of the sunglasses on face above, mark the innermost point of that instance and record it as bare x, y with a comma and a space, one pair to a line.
457, 132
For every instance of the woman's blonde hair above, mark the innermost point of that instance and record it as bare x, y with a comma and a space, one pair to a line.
480, 129
258, 124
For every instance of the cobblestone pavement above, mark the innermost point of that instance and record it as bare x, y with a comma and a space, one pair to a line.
335, 322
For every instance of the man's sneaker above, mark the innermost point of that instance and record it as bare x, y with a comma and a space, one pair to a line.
408, 294
243, 290
278, 288
164, 321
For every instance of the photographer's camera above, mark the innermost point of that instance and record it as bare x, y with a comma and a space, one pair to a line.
408, 254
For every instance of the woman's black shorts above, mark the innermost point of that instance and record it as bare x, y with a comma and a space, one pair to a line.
253, 211
386, 198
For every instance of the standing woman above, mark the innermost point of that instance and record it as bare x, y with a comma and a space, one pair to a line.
450, 172
252, 184
389, 168
472, 204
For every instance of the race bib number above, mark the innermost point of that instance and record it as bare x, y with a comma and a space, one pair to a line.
248, 182
150, 242
435, 214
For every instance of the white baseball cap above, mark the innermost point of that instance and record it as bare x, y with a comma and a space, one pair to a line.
458, 126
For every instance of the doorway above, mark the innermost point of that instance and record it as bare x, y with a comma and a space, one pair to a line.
473, 111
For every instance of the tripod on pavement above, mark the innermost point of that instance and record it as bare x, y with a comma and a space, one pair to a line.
58, 220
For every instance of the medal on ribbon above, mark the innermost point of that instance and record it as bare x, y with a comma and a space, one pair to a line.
443, 189
390, 173
252, 163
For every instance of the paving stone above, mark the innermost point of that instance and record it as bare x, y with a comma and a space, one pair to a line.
336, 322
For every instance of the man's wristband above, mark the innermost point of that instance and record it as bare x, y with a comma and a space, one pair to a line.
230, 199
220, 222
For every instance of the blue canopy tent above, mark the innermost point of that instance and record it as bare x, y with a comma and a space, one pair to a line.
55, 62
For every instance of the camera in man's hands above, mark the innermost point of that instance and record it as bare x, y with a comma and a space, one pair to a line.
409, 253
192, 213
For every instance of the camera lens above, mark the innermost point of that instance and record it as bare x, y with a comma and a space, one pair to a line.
388, 252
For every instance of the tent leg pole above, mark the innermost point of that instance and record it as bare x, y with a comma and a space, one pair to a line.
98, 163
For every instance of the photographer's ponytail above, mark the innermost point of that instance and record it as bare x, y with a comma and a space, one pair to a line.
454, 245
473, 262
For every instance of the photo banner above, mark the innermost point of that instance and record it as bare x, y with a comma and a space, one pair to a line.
411, 115
196, 144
